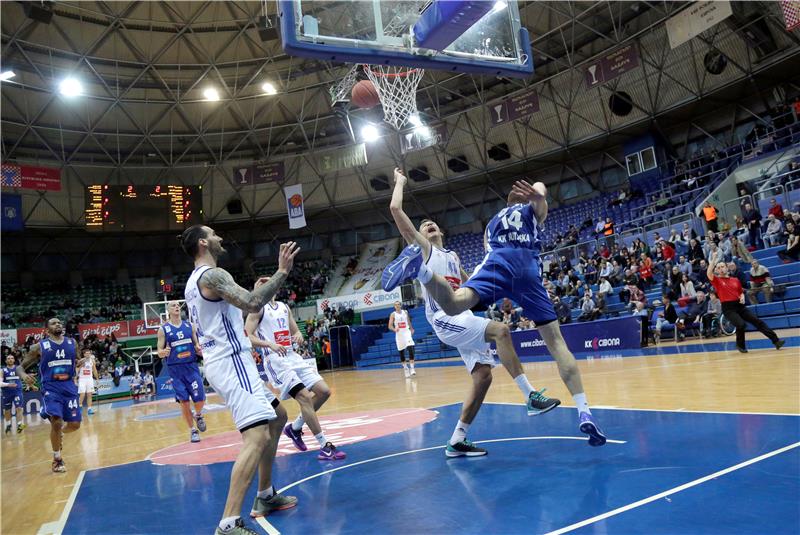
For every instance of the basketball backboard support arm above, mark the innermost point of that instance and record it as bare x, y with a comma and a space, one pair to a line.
496, 44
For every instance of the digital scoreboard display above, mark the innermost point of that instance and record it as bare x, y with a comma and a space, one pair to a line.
142, 208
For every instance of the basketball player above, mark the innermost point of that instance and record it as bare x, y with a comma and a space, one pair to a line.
274, 329
512, 269
400, 323
56, 355
469, 334
87, 373
177, 342
11, 385
214, 301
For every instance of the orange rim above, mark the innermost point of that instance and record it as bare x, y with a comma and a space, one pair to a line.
391, 74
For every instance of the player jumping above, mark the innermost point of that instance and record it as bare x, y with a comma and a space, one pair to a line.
512, 269
177, 343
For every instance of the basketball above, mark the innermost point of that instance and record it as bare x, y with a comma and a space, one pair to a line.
364, 95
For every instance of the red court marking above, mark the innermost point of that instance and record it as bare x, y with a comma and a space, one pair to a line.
340, 429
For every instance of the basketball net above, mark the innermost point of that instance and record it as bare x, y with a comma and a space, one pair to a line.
397, 90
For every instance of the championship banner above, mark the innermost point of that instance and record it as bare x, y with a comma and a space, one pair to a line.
344, 158
695, 19
31, 177
360, 301
512, 108
612, 65
422, 137
590, 337
117, 328
259, 173
294, 205
12, 212
8, 337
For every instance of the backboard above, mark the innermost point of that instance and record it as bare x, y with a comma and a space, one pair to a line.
477, 37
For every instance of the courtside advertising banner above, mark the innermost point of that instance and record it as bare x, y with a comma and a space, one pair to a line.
8, 337
294, 205
590, 337
360, 301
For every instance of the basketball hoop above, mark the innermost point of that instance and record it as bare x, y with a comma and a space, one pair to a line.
397, 89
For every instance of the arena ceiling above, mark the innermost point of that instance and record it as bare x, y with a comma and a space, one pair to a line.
143, 118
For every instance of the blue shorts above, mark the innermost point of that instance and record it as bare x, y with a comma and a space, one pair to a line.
12, 398
187, 382
260, 366
515, 274
61, 403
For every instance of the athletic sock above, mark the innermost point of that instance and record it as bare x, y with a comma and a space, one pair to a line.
459, 433
57, 455
269, 493
228, 523
523, 384
297, 425
321, 439
581, 404
425, 274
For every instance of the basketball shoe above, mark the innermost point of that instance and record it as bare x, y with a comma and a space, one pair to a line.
240, 528
276, 502
465, 448
538, 403
404, 267
296, 437
328, 452
587, 426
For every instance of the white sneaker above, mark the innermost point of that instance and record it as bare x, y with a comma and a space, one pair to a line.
406, 372
413, 371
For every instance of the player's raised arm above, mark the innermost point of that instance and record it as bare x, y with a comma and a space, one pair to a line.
401, 219
218, 283
535, 194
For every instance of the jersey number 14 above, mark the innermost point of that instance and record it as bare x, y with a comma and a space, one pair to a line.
513, 219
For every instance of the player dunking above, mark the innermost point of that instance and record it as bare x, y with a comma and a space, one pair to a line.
178, 344
11, 385
87, 373
400, 323
512, 269
469, 334
215, 302
56, 355
275, 330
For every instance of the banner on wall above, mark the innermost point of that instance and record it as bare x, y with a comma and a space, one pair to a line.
590, 337
294, 205
31, 177
8, 337
367, 273
12, 213
360, 301
341, 158
695, 19
24, 332
118, 328
259, 173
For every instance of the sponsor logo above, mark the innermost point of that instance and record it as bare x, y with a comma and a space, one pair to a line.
533, 343
597, 343
368, 298
283, 338
324, 305
104, 329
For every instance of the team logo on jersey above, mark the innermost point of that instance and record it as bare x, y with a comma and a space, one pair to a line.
455, 282
283, 338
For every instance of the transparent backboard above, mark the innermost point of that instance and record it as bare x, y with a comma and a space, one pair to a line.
382, 32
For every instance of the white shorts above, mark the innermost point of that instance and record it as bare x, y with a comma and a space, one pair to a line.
287, 372
403, 339
236, 379
86, 386
467, 333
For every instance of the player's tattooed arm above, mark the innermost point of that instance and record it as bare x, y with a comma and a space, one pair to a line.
401, 219
34, 353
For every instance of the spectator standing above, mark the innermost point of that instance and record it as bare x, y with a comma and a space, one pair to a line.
710, 215
753, 219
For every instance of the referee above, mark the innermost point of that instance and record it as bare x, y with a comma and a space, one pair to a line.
730, 292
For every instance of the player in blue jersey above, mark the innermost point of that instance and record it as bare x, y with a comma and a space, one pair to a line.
11, 384
57, 356
177, 343
512, 269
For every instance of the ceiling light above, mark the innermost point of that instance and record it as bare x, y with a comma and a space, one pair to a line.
70, 87
370, 133
268, 88
500, 5
211, 94
415, 120
423, 131
6, 75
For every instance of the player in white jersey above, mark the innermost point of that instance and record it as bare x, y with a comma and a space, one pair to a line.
400, 323
87, 373
468, 333
274, 330
215, 303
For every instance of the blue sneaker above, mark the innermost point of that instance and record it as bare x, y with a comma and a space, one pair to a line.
404, 267
587, 426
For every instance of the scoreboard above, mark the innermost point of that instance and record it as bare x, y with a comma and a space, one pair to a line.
142, 208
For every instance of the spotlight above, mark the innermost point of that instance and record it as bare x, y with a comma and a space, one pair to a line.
415, 120
70, 87
6, 75
500, 5
211, 94
423, 131
369, 133
268, 88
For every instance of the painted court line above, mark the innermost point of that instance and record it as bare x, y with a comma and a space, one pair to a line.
269, 528
675, 490
614, 408
57, 526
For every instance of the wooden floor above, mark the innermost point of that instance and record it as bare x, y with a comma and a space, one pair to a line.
761, 381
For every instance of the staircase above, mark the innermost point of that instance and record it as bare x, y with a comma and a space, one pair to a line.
427, 345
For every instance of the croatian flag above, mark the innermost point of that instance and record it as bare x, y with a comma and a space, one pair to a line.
294, 205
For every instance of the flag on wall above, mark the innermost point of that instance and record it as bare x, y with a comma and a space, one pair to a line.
31, 177
294, 205
12, 212
791, 14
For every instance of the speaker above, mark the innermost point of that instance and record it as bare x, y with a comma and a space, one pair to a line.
715, 61
379, 183
419, 174
234, 206
268, 28
458, 164
620, 103
39, 11
499, 152
407, 293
